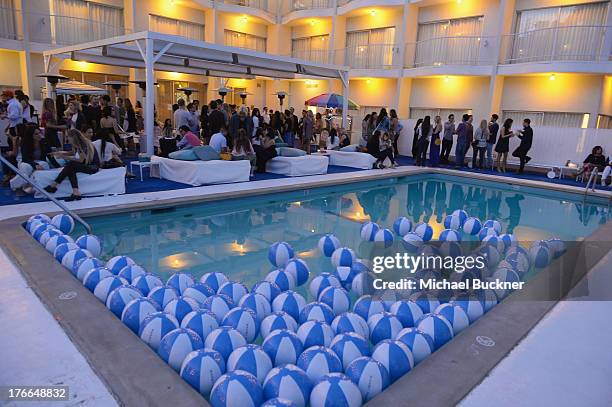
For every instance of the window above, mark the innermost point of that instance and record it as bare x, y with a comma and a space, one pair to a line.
8, 28
311, 48
549, 119
419, 113
449, 42
165, 25
370, 48
242, 40
604, 121
75, 21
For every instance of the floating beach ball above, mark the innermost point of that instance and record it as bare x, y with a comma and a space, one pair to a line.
219, 305
177, 344
106, 285
350, 322
493, 224
120, 297
321, 282
289, 302
234, 290
395, 356
244, 320
40, 228
472, 226
214, 280
94, 276
317, 361
490, 253
421, 345
48, 234
402, 226
472, 306
63, 222
484, 232
345, 275
250, 358
366, 306
452, 249
495, 241
119, 262
199, 292
509, 240
317, 311
147, 282
277, 320
383, 325
449, 235
57, 240
290, 383
181, 306
349, 346
487, 298
335, 389
539, 255
315, 333
299, 270
62, 249
368, 231
283, 279
363, 283
154, 327
343, 257
163, 295
267, 289
201, 369
236, 389
407, 312
505, 275
136, 311
258, 304
461, 214
91, 243
280, 253
328, 245
84, 265
201, 321
41, 217
412, 242
452, 222
336, 298
455, 315
427, 302
557, 247
424, 231
279, 402
131, 272
369, 375
437, 327
384, 237
180, 282
283, 346
224, 340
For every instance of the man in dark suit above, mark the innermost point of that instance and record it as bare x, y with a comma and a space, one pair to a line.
526, 136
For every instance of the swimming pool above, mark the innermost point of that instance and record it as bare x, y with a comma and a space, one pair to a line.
233, 236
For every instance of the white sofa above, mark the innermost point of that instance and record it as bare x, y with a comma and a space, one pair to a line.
351, 159
103, 182
199, 172
298, 166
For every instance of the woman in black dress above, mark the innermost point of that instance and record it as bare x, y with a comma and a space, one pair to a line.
503, 145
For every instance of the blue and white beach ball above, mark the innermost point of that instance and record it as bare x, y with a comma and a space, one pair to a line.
277, 320
214, 280
282, 278
57, 240
94, 276
317, 311
106, 285
412, 242
41, 217
48, 234
147, 283
136, 311
540, 255
234, 290
91, 243
484, 232
490, 253
290, 302
236, 389
258, 304
336, 390
509, 240
461, 214
201, 369
452, 222
336, 298
350, 322
63, 222
470, 304
343, 257
299, 269
62, 249
250, 358
321, 282
181, 306
177, 344
384, 237
201, 321
436, 326
395, 356
71, 258
224, 340
487, 298
419, 343
219, 304
328, 245
40, 229
244, 320
383, 325
407, 312
556, 245
449, 235
504, 275
279, 402
83, 266
455, 315
472, 226
402, 226
131, 272
290, 383
180, 282
120, 297
366, 306
345, 275
315, 333
199, 292
369, 375
317, 361
363, 283
368, 231
117, 263
452, 249
424, 230
267, 289
493, 224
495, 241
154, 327
427, 302
280, 253
163, 295
349, 346
283, 346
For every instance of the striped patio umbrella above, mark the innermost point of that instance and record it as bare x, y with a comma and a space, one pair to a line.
331, 100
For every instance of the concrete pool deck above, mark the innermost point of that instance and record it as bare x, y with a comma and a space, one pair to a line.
85, 378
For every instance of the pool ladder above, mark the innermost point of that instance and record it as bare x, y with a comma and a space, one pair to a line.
592, 181
47, 195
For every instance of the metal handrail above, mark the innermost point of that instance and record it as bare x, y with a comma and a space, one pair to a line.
593, 179
46, 194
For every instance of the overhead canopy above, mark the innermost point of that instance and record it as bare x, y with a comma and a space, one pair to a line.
78, 88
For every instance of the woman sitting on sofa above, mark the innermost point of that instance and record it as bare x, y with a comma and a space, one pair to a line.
243, 149
266, 150
33, 149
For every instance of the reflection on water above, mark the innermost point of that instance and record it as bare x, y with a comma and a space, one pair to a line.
233, 237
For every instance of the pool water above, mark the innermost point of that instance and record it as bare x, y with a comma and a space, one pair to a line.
233, 236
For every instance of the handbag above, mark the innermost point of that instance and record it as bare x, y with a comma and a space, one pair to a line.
437, 141
225, 156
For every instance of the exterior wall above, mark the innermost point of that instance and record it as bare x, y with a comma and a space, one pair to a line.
531, 4
8, 76
165, 9
606, 97
373, 91
236, 22
321, 26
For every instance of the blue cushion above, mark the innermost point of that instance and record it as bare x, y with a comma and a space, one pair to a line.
206, 153
351, 149
184, 155
291, 152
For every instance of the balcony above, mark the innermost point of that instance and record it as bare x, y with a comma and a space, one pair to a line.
297, 5
314, 55
374, 56
8, 26
263, 5
444, 51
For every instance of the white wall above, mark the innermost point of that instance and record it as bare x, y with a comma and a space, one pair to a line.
165, 9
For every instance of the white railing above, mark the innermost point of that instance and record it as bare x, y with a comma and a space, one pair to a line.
314, 55
574, 43
296, 5
374, 56
441, 51
258, 4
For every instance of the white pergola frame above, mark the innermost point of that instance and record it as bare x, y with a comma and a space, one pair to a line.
152, 51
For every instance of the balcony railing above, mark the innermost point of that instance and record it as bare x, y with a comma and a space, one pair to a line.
296, 5
374, 56
314, 55
258, 4
574, 43
441, 51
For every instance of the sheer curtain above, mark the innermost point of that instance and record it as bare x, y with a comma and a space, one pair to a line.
70, 21
356, 48
370, 48
108, 21
247, 41
8, 28
310, 48
548, 119
449, 42
172, 26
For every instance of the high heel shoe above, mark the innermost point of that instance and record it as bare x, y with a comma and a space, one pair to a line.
73, 197
51, 189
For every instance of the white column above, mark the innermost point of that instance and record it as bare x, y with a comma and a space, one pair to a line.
345, 97
150, 96
28, 88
